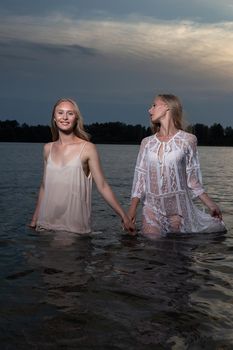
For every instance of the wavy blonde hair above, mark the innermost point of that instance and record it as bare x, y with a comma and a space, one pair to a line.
79, 130
176, 109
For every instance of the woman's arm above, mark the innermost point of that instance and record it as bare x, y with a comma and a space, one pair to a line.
139, 180
132, 212
103, 187
41, 190
211, 205
193, 170
194, 179
36, 212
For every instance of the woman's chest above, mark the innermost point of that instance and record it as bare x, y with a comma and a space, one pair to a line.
166, 155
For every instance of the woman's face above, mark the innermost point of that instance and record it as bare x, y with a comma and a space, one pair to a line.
65, 116
158, 110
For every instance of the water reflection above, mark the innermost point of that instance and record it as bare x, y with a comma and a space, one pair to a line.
128, 292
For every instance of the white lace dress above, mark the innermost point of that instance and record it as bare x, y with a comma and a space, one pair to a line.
167, 176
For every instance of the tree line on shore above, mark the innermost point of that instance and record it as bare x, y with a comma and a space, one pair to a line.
113, 132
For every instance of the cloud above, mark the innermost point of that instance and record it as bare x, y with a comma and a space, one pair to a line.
27, 50
205, 11
194, 47
115, 65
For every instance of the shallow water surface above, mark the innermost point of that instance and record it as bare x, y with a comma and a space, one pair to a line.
109, 290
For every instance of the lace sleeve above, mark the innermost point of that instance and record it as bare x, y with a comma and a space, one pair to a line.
194, 177
138, 188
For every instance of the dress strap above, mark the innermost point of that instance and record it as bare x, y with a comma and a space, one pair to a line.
81, 151
50, 149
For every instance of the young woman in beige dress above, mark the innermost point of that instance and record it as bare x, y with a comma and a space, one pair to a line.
70, 164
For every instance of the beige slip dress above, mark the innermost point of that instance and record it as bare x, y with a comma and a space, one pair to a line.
66, 203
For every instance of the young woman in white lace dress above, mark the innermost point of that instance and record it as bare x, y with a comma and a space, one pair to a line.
167, 176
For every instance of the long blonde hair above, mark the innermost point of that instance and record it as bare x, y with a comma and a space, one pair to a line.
175, 106
79, 130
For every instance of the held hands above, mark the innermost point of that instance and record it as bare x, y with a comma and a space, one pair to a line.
131, 215
128, 225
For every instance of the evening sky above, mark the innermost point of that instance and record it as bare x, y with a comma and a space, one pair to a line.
112, 57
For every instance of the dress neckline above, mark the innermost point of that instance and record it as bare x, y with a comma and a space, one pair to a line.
61, 166
171, 138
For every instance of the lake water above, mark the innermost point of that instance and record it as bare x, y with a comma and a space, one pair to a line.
112, 291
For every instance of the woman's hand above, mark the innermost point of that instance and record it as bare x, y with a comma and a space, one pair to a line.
32, 225
211, 205
215, 211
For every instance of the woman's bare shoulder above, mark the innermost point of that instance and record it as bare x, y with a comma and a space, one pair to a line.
48, 145
89, 145
47, 148
90, 148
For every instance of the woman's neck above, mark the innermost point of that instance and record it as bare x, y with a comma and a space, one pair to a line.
67, 139
167, 129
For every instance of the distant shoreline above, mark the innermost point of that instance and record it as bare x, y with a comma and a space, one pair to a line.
107, 143
113, 133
